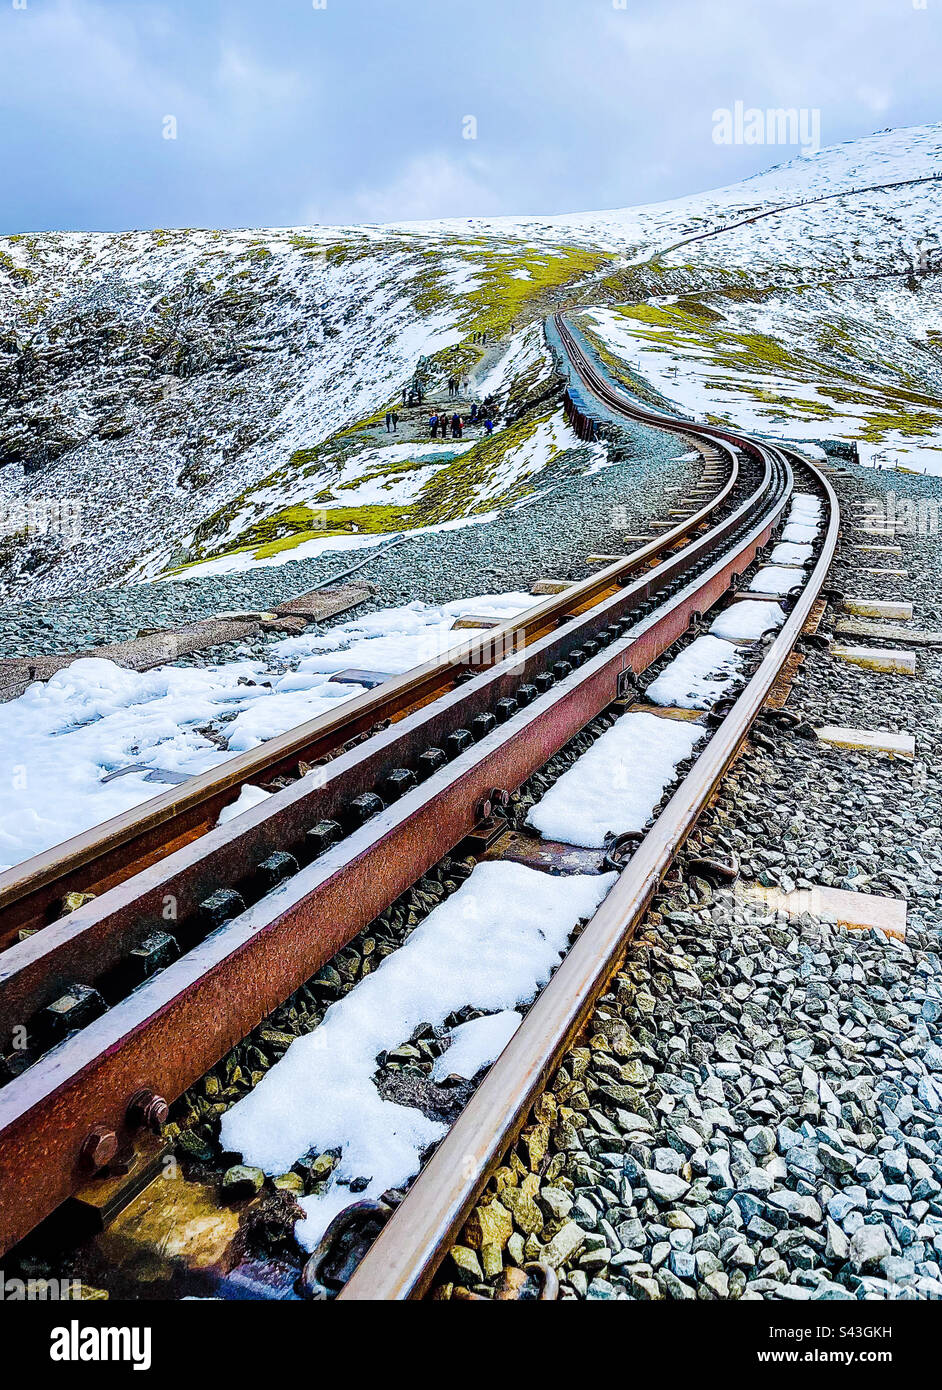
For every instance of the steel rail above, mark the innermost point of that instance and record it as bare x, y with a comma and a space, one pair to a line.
403, 1260
86, 944
173, 1028
97, 859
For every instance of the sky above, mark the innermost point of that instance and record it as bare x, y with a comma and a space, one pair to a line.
121, 114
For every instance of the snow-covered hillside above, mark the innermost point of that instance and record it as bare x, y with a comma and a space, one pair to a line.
216, 399
736, 225
855, 363
162, 378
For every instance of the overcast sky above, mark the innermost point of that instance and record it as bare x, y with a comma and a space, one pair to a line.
295, 111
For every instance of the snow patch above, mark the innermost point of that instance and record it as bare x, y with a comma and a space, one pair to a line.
61, 739
617, 783
491, 945
702, 674
787, 554
772, 579
476, 1044
248, 797
748, 621
797, 533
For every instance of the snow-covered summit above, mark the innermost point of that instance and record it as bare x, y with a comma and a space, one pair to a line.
886, 158
185, 384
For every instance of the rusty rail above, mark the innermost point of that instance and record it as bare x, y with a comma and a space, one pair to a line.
98, 859
171, 1029
405, 1257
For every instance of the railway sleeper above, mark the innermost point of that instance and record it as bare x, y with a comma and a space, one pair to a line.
224, 904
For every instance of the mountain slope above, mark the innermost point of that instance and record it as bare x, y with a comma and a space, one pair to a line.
215, 399
159, 377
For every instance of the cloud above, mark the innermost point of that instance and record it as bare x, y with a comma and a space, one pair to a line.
246, 82
875, 99
353, 112
82, 54
429, 186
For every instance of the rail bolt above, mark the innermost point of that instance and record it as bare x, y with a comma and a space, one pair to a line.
457, 741
430, 761
148, 1110
98, 1148
482, 724
323, 835
362, 808
506, 709
396, 783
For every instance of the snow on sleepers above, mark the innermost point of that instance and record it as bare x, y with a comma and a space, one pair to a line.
788, 554
772, 579
702, 674
748, 621
805, 507
617, 783
492, 945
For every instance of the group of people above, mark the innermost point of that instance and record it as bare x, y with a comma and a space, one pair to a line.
478, 412
440, 422
457, 424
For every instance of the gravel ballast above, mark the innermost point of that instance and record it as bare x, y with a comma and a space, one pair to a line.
548, 536
753, 1111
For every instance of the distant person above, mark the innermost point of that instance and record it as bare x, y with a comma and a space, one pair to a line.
488, 426
395, 421
388, 421
474, 412
433, 425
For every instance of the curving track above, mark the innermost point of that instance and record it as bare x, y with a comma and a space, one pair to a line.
255, 907
405, 1257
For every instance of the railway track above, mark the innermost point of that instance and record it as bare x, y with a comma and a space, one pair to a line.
404, 1259
196, 932
32, 894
